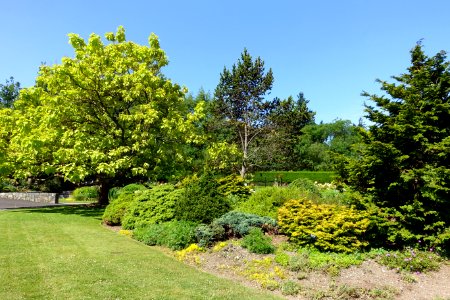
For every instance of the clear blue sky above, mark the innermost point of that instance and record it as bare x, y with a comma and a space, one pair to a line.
330, 50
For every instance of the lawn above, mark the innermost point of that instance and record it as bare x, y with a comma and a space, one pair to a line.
65, 253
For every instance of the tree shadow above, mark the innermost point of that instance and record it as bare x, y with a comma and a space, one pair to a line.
84, 210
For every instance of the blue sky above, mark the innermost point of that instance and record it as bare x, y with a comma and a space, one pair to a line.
330, 50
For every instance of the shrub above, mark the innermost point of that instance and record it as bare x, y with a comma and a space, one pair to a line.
325, 226
238, 224
86, 193
266, 201
411, 260
155, 205
120, 203
282, 258
306, 185
201, 202
290, 288
256, 242
175, 235
233, 185
206, 235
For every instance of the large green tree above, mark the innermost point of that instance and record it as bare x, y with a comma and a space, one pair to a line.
239, 101
108, 114
404, 167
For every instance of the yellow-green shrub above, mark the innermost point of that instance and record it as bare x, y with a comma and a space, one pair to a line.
327, 227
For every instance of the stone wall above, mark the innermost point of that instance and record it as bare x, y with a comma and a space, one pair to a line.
32, 196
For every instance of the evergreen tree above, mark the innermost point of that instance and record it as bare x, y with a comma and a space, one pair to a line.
404, 166
239, 101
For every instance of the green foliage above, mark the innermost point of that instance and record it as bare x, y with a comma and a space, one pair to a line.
307, 185
239, 104
119, 205
9, 93
201, 202
155, 205
175, 235
6, 186
233, 185
290, 288
108, 114
266, 201
319, 145
403, 166
270, 177
86, 193
238, 224
256, 242
325, 226
282, 258
276, 148
411, 260
207, 235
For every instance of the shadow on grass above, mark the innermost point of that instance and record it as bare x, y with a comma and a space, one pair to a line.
88, 210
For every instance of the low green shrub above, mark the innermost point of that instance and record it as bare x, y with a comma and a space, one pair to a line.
411, 260
282, 258
207, 235
238, 224
155, 205
290, 288
6, 186
256, 242
86, 193
120, 202
267, 200
201, 202
175, 235
325, 226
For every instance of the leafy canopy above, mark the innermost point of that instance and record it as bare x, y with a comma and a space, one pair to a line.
107, 114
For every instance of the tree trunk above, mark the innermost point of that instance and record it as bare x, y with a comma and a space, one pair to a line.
104, 190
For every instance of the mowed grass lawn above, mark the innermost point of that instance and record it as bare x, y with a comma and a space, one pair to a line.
65, 253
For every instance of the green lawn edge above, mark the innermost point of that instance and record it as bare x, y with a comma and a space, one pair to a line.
65, 253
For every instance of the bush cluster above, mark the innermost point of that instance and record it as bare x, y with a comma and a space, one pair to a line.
325, 226
86, 193
120, 200
239, 224
267, 200
175, 235
411, 260
155, 205
201, 201
232, 224
256, 242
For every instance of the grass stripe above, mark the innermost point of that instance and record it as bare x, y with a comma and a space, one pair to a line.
65, 253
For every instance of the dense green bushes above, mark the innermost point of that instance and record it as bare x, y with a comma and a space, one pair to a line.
86, 193
238, 224
155, 205
266, 201
120, 200
201, 200
325, 226
255, 241
175, 234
